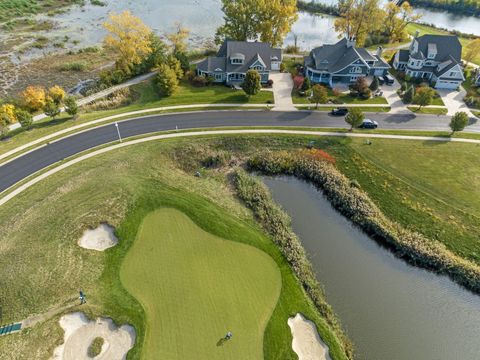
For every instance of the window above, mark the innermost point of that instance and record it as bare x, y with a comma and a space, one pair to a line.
257, 67
237, 61
453, 73
355, 69
218, 76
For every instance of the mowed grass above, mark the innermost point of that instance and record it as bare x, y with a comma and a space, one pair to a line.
195, 287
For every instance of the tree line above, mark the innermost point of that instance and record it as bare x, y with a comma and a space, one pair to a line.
462, 7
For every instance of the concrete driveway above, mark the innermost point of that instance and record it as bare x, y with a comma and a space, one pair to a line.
454, 101
396, 104
282, 91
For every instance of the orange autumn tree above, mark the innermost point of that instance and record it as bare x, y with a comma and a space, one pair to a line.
34, 98
57, 94
129, 38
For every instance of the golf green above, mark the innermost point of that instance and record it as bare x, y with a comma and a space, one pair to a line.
195, 287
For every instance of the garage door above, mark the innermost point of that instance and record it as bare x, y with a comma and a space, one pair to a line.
378, 72
443, 84
275, 65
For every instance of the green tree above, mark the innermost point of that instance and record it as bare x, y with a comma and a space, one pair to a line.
4, 128
409, 95
423, 96
166, 80
374, 84
24, 118
71, 107
459, 121
319, 95
174, 64
51, 108
268, 20
354, 118
251, 85
307, 84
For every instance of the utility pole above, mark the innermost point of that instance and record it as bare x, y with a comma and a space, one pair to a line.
118, 131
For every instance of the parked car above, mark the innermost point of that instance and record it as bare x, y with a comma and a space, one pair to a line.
381, 81
368, 124
339, 112
389, 80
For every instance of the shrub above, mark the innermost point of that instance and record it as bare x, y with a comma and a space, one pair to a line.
166, 80
282, 67
251, 85
374, 84
95, 347
307, 84
199, 81
57, 94
71, 107
51, 108
409, 95
269, 83
24, 118
34, 98
73, 66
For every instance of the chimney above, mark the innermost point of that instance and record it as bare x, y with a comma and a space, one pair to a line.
379, 52
350, 41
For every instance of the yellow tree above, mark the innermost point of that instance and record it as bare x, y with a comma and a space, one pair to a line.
7, 111
358, 18
34, 98
276, 19
129, 38
472, 50
268, 20
396, 20
178, 39
57, 94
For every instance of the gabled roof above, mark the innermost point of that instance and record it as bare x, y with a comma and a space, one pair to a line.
403, 55
445, 66
251, 52
334, 57
446, 46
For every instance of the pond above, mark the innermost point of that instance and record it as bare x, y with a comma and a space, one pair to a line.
390, 310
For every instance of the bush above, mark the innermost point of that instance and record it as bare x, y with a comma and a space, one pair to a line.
251, 85
166, 80
269, 83
24, 118
282, 67
199, 81
71, 107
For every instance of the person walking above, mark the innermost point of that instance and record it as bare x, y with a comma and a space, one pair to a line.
228, 336
83, 298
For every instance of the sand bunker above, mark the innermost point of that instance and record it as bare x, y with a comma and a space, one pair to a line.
306, 341
98, 239
80, 332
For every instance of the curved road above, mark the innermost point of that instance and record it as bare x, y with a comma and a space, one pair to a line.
26, 165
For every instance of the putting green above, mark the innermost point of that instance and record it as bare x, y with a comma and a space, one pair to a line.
195, 287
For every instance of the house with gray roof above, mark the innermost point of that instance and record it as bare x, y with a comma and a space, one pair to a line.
343, 62
235, 58
435, 58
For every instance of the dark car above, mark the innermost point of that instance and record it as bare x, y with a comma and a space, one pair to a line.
339, 112
368, 124
381, 81
389, 80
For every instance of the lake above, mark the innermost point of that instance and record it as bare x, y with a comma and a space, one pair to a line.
390, 309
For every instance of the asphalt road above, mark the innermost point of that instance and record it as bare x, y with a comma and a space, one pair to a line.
28, 164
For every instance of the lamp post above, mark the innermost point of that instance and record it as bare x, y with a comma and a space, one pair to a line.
118, 131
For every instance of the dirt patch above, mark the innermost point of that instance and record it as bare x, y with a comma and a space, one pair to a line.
99, 239
306, 343
80, 332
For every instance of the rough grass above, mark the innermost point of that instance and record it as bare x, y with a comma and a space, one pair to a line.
95, 347
16, 8
196, 287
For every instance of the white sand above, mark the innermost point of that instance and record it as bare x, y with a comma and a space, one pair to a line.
306, 341
98, 239
80, 332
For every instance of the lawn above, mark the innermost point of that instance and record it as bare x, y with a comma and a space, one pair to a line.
427, 110
144, 178
196, 287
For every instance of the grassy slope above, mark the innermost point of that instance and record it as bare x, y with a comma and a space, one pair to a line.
146, 98
424, 110
144, 179
195, 287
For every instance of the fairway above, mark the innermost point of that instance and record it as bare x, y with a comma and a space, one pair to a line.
195, 287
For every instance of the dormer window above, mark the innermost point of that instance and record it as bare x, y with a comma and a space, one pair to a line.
237, 59
257, 67
432, 51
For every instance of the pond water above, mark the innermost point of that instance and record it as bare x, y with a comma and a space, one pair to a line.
83, 25
390, 310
